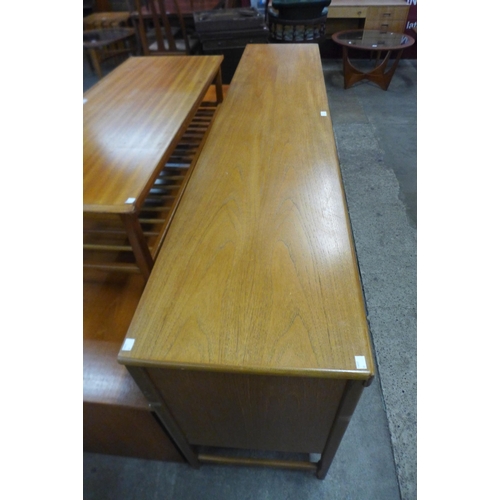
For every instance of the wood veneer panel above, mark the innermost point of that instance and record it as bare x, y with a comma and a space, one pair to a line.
117, 419
289, 414
115, 430
258, 272
106, 381
388, 13
109, 303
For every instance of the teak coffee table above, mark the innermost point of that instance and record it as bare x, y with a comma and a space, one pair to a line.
372, 40
133, 120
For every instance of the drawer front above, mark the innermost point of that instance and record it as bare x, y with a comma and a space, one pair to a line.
388, 13
347, 12
396, 26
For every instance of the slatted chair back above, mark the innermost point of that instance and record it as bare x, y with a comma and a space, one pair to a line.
153, 18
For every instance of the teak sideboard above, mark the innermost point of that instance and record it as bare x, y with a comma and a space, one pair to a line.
251, 333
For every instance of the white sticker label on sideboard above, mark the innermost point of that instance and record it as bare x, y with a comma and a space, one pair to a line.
360, 362
130, 200
128, 344
324, 113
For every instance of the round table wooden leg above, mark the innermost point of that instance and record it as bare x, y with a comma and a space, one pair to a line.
377, 75
351, 74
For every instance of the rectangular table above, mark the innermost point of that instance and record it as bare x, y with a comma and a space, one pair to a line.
251, 332
132, 121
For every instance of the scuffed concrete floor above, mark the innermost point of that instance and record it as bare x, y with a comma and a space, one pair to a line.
376, 134
376, 139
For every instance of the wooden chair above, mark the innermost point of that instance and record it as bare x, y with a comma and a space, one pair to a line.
103, 44
157, 32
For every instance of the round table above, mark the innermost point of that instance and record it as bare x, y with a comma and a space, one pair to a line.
372, 40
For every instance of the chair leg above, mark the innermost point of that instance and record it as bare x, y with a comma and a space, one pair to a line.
95, 62
89, 59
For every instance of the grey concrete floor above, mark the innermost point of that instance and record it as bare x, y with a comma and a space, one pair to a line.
376, 135
376, 139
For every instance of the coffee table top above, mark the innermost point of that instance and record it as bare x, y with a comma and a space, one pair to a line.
373, 39
132, 121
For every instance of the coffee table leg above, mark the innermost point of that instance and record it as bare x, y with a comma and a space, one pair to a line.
138, 243
218, 86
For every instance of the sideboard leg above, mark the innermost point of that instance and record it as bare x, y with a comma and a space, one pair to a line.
350, 398
157, 404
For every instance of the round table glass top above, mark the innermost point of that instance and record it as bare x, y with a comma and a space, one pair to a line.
373, 39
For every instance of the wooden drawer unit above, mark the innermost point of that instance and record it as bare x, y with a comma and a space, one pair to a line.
384, 15
387, 18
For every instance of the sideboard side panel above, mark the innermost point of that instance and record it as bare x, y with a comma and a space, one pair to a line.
288, 414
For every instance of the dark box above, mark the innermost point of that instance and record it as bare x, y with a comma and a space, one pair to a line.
227, 20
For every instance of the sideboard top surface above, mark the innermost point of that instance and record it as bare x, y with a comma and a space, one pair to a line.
258, 272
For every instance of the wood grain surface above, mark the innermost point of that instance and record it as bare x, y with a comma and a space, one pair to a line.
132, 119
130, 432
258, 272
258, 412
117, 419
109, 302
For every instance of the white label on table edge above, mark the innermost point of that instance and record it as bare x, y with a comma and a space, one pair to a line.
324, 113
130, 200
360, 362
128, 344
